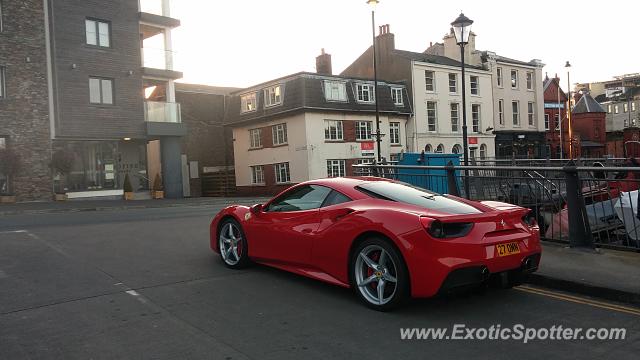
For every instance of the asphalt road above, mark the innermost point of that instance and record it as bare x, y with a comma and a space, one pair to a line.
143, 284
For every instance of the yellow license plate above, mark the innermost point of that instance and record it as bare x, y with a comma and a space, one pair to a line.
507, 249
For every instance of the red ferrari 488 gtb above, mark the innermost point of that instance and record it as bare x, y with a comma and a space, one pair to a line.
385, 239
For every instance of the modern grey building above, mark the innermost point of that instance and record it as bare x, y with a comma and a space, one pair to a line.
93, 66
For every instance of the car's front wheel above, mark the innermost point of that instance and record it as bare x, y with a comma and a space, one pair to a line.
379, 275
233, 245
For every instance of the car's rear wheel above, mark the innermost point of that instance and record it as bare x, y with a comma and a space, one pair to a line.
233, 245
379, 275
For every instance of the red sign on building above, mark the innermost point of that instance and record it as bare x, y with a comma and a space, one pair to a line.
367, 148
473, 141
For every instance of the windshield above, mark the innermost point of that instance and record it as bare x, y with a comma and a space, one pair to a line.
408, 194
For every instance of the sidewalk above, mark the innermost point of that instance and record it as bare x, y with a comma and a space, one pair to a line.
46, 207
607, 274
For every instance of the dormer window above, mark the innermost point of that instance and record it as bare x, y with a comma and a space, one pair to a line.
248, 103
396, 95
273, 96
335, 90
365, 93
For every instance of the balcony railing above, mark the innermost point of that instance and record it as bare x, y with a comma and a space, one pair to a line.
165, 112
158, 58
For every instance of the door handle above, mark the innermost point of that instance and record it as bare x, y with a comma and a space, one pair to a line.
342, 213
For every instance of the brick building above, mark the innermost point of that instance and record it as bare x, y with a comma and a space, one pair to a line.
588, 122
555, 115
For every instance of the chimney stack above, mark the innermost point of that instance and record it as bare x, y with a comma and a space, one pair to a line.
323, 64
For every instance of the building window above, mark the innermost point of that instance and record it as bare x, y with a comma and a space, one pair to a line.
625, 107
1, 28
257, 175
440, 149
530, 114
483, 152
515, 111
98, 32
282, 173
609, 108
335, 168
335, 90
558, 120
499, 76
633, 106
529, 81
365, 92
430, 80
453, 83
364, 171
394, 133
428, 149
514, 79
475, 117
248, 103
363, 130
101, 91
472, 153
273, 96
475, 85
501, 112
596, 133
546, 121
333, 130
616, 109
255, 137
457, 149
279, 134
432, 116
396, 95
3, 89
455, 117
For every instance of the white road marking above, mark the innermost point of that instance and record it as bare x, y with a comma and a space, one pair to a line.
137, 296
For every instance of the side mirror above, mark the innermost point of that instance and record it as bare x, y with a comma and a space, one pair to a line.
256, 209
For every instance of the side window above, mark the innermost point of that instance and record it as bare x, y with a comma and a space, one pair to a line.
302, 198
335, 198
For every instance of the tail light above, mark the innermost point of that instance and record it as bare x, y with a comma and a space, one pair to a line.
440, 230
530, 219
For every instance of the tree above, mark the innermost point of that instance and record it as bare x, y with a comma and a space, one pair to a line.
10, 164
62, 164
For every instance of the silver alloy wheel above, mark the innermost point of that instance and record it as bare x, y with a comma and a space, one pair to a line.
229, 239
376, 279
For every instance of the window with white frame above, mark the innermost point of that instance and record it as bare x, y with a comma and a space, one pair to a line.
440, 149
3, 89
364, 161
396, 95
432, 115
428, 148
335, 168
501, 112
394, 133
475, 85
616, 109
546, 121
515, 113
514, 79
279, 134
273, 96
363, 130
101, 91
483, 152
529, 80
609, 108
499, 76
558, 121
333, 130
475, 117
430, 80
255, 137
335, 90
530, 113
257, 175
453, 83
457, 149
365, 93
248, 103
633, 106
625, 107
455, 117
282, 173
98, 32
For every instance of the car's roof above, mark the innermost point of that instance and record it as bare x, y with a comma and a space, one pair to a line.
346, 184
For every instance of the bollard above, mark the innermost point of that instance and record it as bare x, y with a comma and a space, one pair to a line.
579, 229
452, 184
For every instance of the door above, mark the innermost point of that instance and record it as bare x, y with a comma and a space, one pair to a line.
284, 230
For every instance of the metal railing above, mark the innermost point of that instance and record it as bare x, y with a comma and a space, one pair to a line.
166, 112
581, 206
158, 58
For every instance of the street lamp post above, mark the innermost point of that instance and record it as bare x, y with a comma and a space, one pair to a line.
461, 29
373, 4
568, 67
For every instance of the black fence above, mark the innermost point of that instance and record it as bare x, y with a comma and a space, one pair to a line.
583, 206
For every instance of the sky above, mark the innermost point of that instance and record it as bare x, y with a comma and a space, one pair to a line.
240, 43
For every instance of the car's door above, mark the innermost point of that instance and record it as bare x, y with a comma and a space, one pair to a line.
283, 231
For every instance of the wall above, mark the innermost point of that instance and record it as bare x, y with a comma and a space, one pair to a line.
24, 112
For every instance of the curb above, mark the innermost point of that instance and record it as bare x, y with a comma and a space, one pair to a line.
585, 289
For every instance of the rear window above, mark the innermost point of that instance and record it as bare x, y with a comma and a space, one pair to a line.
408, 194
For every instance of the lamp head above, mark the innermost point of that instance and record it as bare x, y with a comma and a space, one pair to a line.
462, 28
567, 65
373, 3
